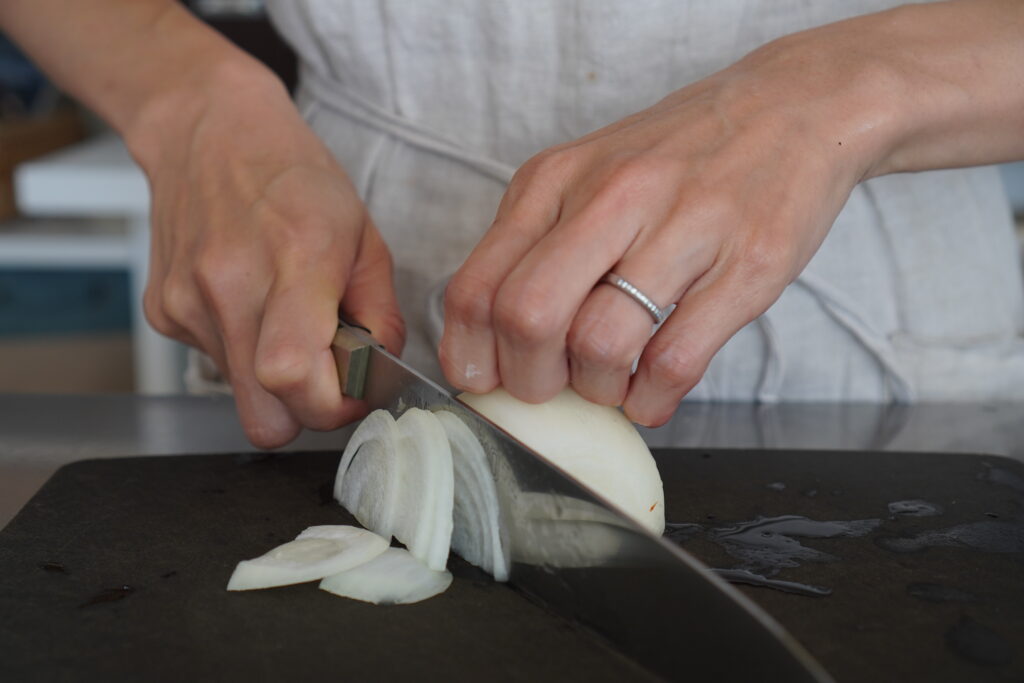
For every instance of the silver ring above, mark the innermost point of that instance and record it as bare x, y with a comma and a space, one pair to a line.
636, 295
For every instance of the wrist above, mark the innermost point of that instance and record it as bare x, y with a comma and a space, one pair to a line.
948, 76
167, 118
840, 93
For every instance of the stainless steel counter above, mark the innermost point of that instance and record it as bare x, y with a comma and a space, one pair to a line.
39, 434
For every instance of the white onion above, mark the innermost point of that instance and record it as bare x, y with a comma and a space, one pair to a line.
401, 482
560, 531
476, 534
317, 552
367, 486
394, 577
595, 444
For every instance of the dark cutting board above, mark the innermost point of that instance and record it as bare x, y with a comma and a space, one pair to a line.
173, 528
902, 606
933, 592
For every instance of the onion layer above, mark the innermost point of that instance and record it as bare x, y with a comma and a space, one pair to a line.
317, 552
394, 577
476, 534
367, 485
397, 480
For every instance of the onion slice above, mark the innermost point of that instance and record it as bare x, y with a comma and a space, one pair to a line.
396, 478
394, 577
367, 480
317, 552
423, 520
476, 532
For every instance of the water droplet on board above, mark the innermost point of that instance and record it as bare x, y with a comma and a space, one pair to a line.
770, 543
914, 508
988, 536
767, 545
751, 579
777, 486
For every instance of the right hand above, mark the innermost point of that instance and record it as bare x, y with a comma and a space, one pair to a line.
258, 240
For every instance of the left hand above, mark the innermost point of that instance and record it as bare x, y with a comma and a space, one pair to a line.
714, 199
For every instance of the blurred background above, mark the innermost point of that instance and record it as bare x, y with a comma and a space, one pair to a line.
74, 231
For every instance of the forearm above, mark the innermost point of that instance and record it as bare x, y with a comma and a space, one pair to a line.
921, 87
136, 63
962, 65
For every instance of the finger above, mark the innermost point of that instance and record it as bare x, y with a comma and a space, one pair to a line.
713, 310
369, 295
611, 328
529, 209
293, 359
541, 296
607, 336
265, 418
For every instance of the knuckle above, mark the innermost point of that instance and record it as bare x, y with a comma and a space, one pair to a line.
153, 309
636, 173
220, 281
468, 298
763, 258
676, 365
524, 316
177, 302
599, 344
283, 369
551, 164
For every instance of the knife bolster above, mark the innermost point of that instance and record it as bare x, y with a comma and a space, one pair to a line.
351, 349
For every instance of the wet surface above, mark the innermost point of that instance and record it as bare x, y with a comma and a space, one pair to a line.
767, 545
888, 568
749, 578
914, 508
995, 534
986, 536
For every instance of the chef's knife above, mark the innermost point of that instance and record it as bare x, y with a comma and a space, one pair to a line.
588, 561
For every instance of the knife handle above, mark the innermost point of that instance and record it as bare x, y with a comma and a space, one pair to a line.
351, 348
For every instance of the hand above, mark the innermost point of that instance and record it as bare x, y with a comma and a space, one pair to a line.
258, 238
714, 200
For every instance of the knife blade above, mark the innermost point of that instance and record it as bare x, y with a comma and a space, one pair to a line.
586, 560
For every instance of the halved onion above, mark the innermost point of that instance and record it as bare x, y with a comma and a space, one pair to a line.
476, 532
317, 552
595, 444
555, 530
394, 577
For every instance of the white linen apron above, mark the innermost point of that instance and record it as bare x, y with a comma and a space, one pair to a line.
916, 294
